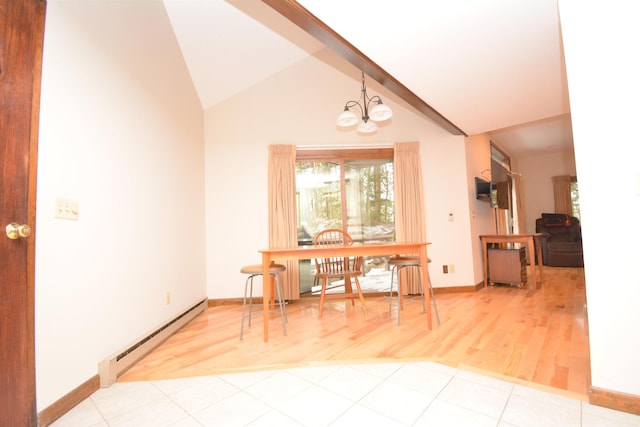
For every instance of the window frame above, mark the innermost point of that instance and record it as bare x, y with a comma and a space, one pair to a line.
340, 156
317, 155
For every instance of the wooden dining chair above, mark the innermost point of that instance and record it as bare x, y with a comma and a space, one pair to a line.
338, 267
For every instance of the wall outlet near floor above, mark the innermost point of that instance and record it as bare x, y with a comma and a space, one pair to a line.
445, 269
168, 298
452, 268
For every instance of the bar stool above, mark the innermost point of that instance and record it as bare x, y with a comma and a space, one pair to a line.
256, 270
397, 263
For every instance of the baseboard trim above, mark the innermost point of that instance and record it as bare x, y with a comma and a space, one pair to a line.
615, 400
258, 300
228, 301
63, 405
459, 289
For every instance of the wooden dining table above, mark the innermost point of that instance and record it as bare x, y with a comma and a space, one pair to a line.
356, 249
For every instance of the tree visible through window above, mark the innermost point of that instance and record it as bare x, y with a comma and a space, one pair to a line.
575, 198
347, 189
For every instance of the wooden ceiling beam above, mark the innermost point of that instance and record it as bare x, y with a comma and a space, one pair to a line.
296, 13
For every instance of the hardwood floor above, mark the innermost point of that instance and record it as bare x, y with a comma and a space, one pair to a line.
540, 338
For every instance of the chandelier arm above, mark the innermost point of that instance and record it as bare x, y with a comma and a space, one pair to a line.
351, 104
375, 98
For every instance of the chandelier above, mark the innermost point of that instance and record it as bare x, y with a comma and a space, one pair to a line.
378, 113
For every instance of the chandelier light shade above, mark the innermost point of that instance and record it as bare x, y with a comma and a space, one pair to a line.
371, 110
347, 118
380, 112
367, 127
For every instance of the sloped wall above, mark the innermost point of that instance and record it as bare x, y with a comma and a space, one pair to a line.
121, 132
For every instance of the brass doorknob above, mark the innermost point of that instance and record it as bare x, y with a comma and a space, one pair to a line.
16, 231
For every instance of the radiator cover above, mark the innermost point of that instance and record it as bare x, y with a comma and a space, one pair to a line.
112, 367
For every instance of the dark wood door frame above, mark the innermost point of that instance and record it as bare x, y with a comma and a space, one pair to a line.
21, 40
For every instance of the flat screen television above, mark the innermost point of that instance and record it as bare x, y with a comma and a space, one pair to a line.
483, 189
497, 194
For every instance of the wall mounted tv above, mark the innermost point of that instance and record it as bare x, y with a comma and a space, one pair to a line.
483, 189
497, 194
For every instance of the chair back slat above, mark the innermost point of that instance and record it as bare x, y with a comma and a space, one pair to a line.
335, 265
328, 268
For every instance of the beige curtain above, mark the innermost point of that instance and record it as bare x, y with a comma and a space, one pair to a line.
282, 211
517, 208
562, 194
502, 221
409, 202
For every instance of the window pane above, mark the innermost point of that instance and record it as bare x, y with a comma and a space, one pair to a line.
575, 200
369, 200
318, 198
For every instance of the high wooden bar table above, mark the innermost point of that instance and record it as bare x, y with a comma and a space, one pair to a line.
311, 252
532, 240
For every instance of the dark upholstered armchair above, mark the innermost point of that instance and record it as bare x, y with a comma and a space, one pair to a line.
561, 240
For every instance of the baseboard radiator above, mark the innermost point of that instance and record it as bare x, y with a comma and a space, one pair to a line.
112, 367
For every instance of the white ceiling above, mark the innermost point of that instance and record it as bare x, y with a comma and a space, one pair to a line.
492, 66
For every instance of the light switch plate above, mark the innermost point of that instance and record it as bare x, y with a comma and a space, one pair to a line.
66, 209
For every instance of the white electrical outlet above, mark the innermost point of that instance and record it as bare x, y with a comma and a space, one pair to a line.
168, 298
66, 209
452, 268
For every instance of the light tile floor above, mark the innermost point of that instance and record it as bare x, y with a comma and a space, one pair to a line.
375, 394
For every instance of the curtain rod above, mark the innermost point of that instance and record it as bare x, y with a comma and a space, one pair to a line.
344, 146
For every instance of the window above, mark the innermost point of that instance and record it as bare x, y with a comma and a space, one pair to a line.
575, 197
346, 189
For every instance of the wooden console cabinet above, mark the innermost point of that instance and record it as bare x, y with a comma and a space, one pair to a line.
507, 266
534, 250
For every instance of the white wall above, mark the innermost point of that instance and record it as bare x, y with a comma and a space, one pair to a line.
121, 131
299, 106
445, 191
604, 90
536, 185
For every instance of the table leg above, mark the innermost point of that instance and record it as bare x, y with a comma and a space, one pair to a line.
485, 257
538, 244
266, 292
532, 262
424, 270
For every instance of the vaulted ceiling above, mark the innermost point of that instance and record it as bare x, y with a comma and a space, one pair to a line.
493, 66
